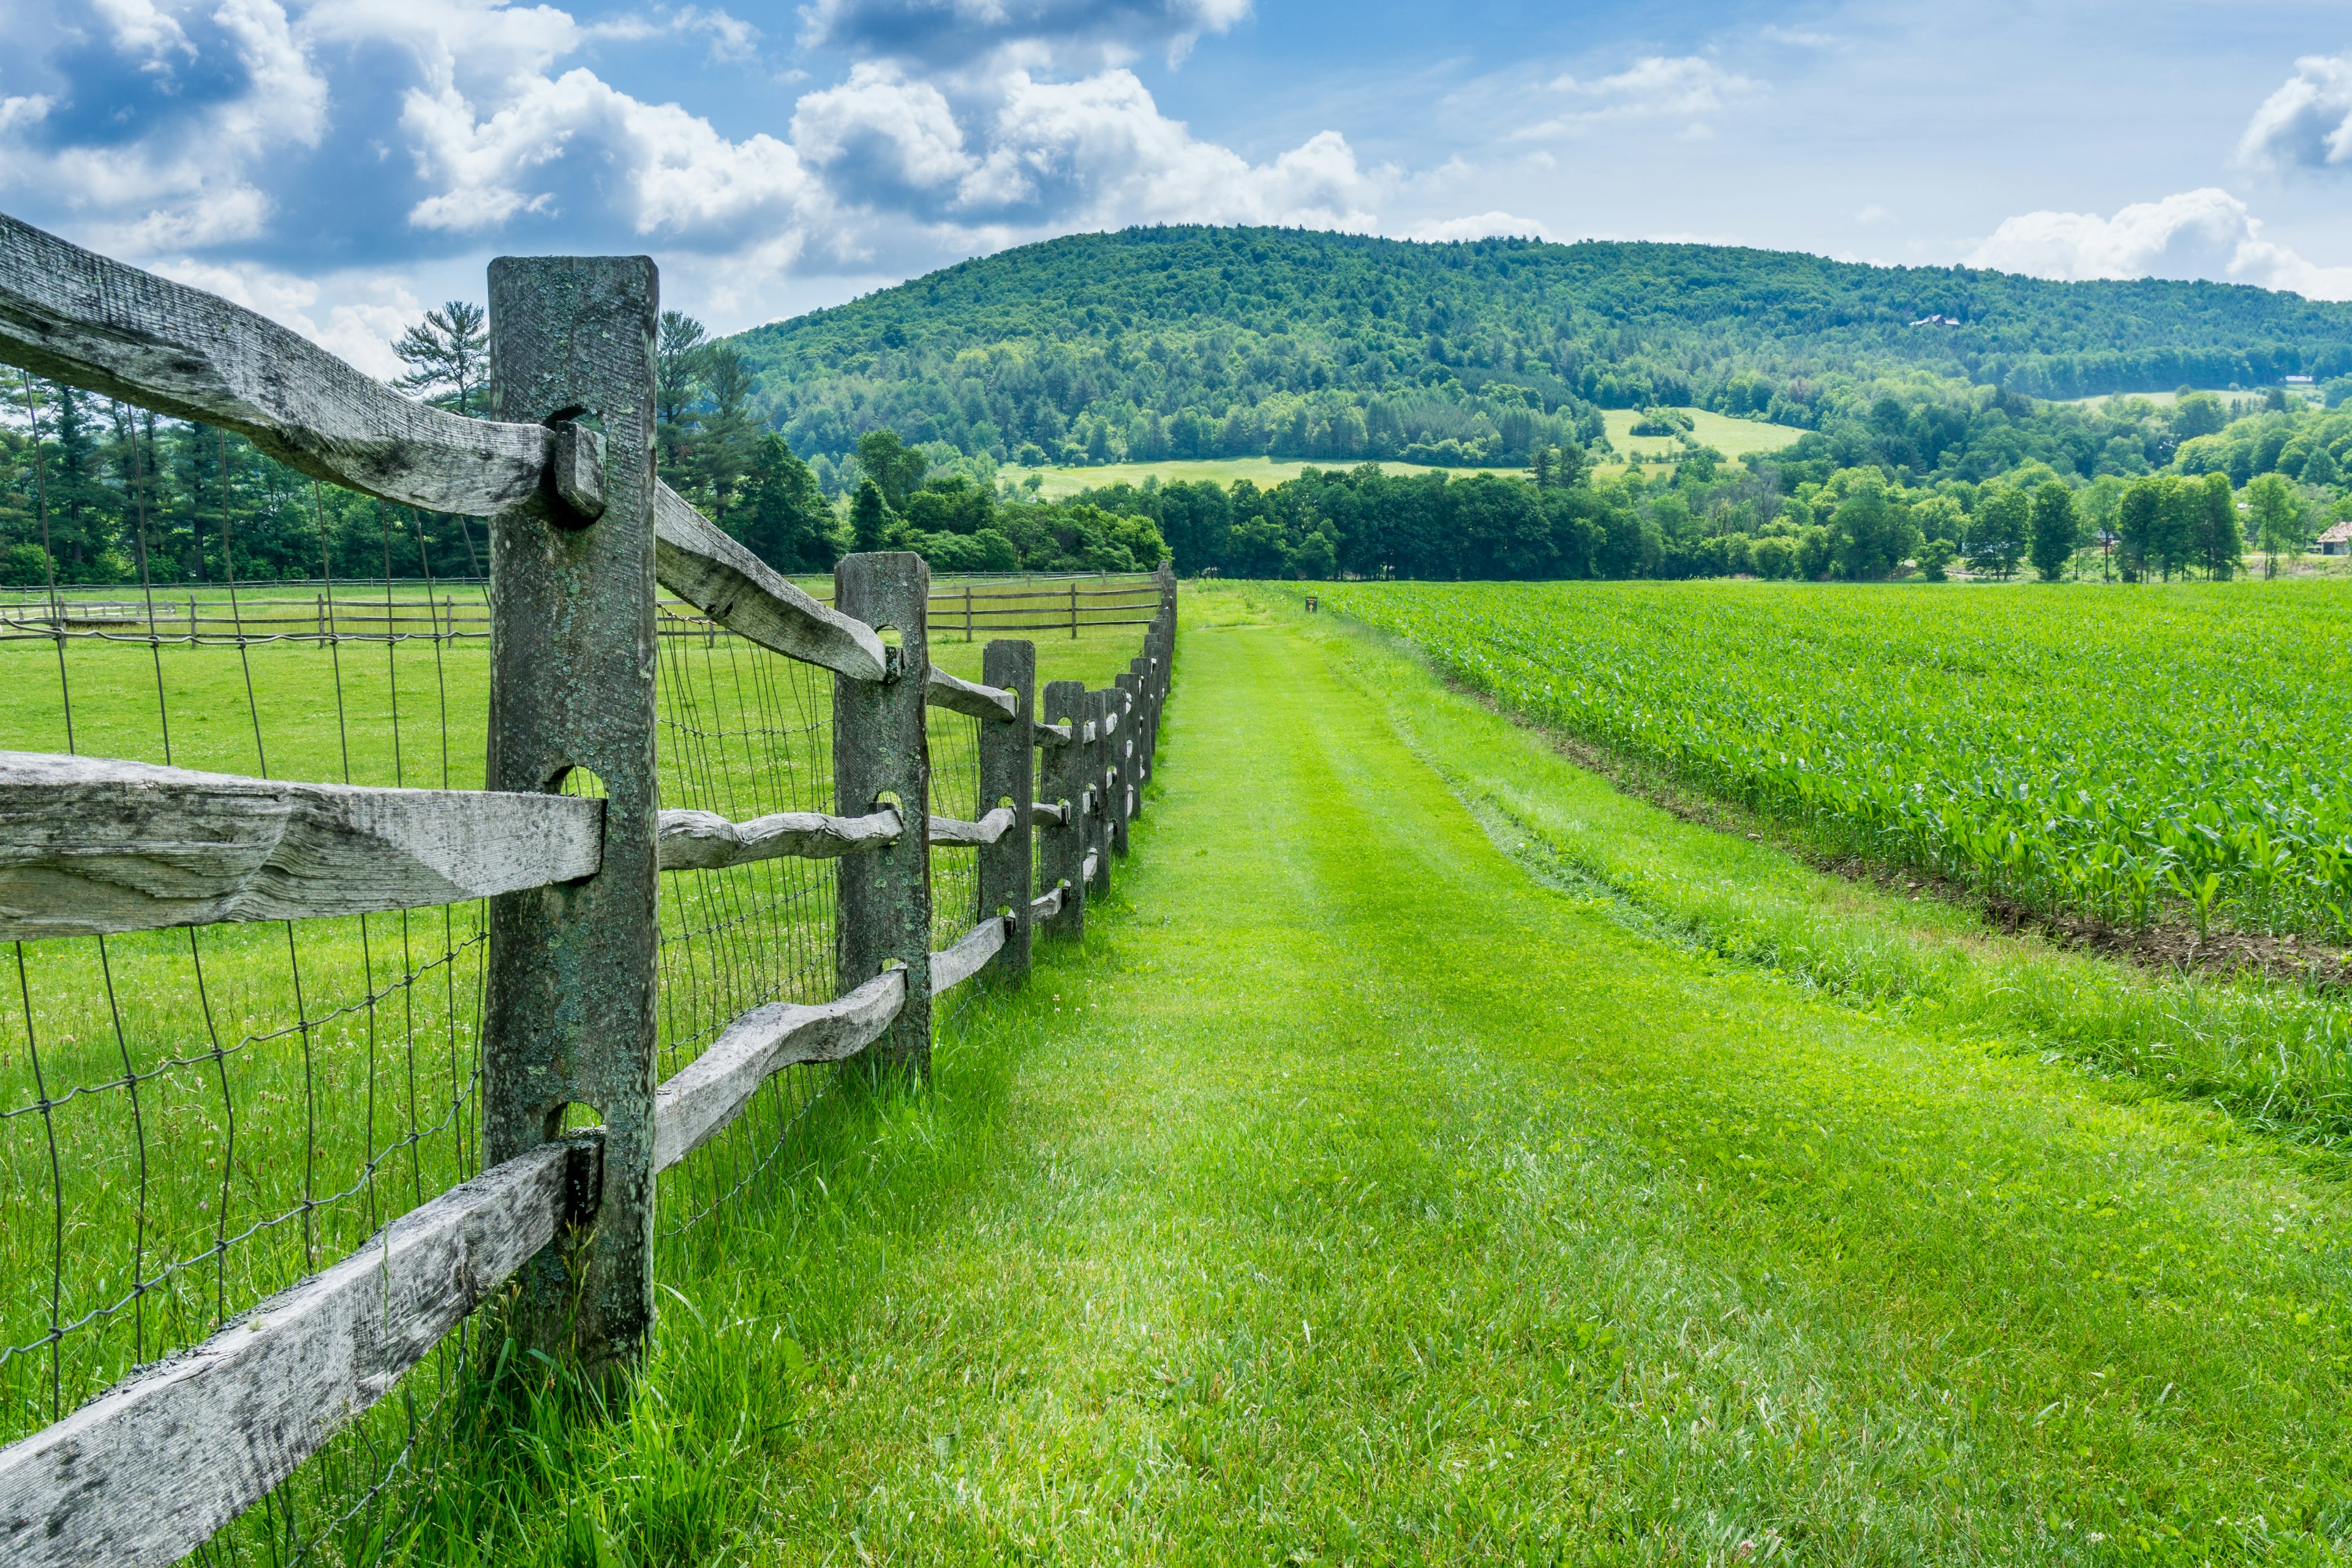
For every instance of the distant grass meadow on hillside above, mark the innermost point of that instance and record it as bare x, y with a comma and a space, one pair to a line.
1059, 484
1735, 439
2117, 752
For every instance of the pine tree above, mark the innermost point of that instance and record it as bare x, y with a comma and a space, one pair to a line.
449, 358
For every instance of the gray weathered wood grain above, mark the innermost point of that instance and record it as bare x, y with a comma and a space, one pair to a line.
1051, 734
955, 831
89, 845
570, 987
1046, 905
881, 755
76, 316
959, 696
705, 841
1057, 813
968, 956
1061, 850
694, 559
146, 1472
1008, 776
1088, 869
704, 1095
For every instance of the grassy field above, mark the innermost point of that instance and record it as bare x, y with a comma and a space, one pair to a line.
1434, 1155
229, 1108
1735, 439
1380, 1184
1262, 472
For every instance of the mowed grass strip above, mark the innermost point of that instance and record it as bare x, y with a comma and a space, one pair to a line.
1354, 1197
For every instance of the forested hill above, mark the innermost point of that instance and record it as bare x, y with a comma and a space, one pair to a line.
1202, 341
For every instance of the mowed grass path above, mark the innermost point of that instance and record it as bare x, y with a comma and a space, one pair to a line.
1356, 1198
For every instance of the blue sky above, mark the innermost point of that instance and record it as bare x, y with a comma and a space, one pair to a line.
339, 164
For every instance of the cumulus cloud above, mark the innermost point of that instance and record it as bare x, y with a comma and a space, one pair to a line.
2205, 233
1480, 225
257, 147
359, 324
2308, 122
1097, 152
1685, 88
1065, 33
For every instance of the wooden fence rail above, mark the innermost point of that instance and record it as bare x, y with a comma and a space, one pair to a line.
581, 534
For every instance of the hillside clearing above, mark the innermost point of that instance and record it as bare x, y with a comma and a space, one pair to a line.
1735, 439
1262, 472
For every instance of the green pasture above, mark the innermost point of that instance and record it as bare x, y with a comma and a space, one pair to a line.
1434, 1155
1735, 439
1379, 1182
1262, 472
189, 1057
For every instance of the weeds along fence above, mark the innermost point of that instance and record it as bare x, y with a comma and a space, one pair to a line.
364, 972
418, 607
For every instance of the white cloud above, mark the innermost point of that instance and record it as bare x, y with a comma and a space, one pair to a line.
880, 126
370, 312
422, 133
23, 113
1687, 87
2205, 233
1482, 226
192, 183
1080, 34
2308, 122
1099, 152
1798, 38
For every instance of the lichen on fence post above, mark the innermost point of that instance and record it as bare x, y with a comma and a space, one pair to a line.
570, 1008
1008, 776
881, 756
1065, 780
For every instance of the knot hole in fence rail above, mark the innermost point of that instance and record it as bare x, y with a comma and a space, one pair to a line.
569, 1005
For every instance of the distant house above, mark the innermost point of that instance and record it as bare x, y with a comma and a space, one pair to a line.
2338, 541
2296, 380
1937, 320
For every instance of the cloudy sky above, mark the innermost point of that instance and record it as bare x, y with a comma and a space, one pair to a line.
339, 163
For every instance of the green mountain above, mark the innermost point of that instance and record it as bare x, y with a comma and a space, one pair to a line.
1203, 341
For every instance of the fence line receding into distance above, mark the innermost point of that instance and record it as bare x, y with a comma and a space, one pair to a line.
718, 834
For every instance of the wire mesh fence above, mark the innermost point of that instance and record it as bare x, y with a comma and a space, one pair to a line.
743, 732
192, 1118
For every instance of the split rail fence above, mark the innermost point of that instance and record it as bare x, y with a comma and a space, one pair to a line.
569, 842
394, 607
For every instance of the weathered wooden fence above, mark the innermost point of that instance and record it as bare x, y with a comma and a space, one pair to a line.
397, 608
560, 1221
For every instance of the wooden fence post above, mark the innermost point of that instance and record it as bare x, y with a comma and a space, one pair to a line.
881, 756
1008, 776
1098, 710
1074, 609
1124, 773
569, 1015
1065, 782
